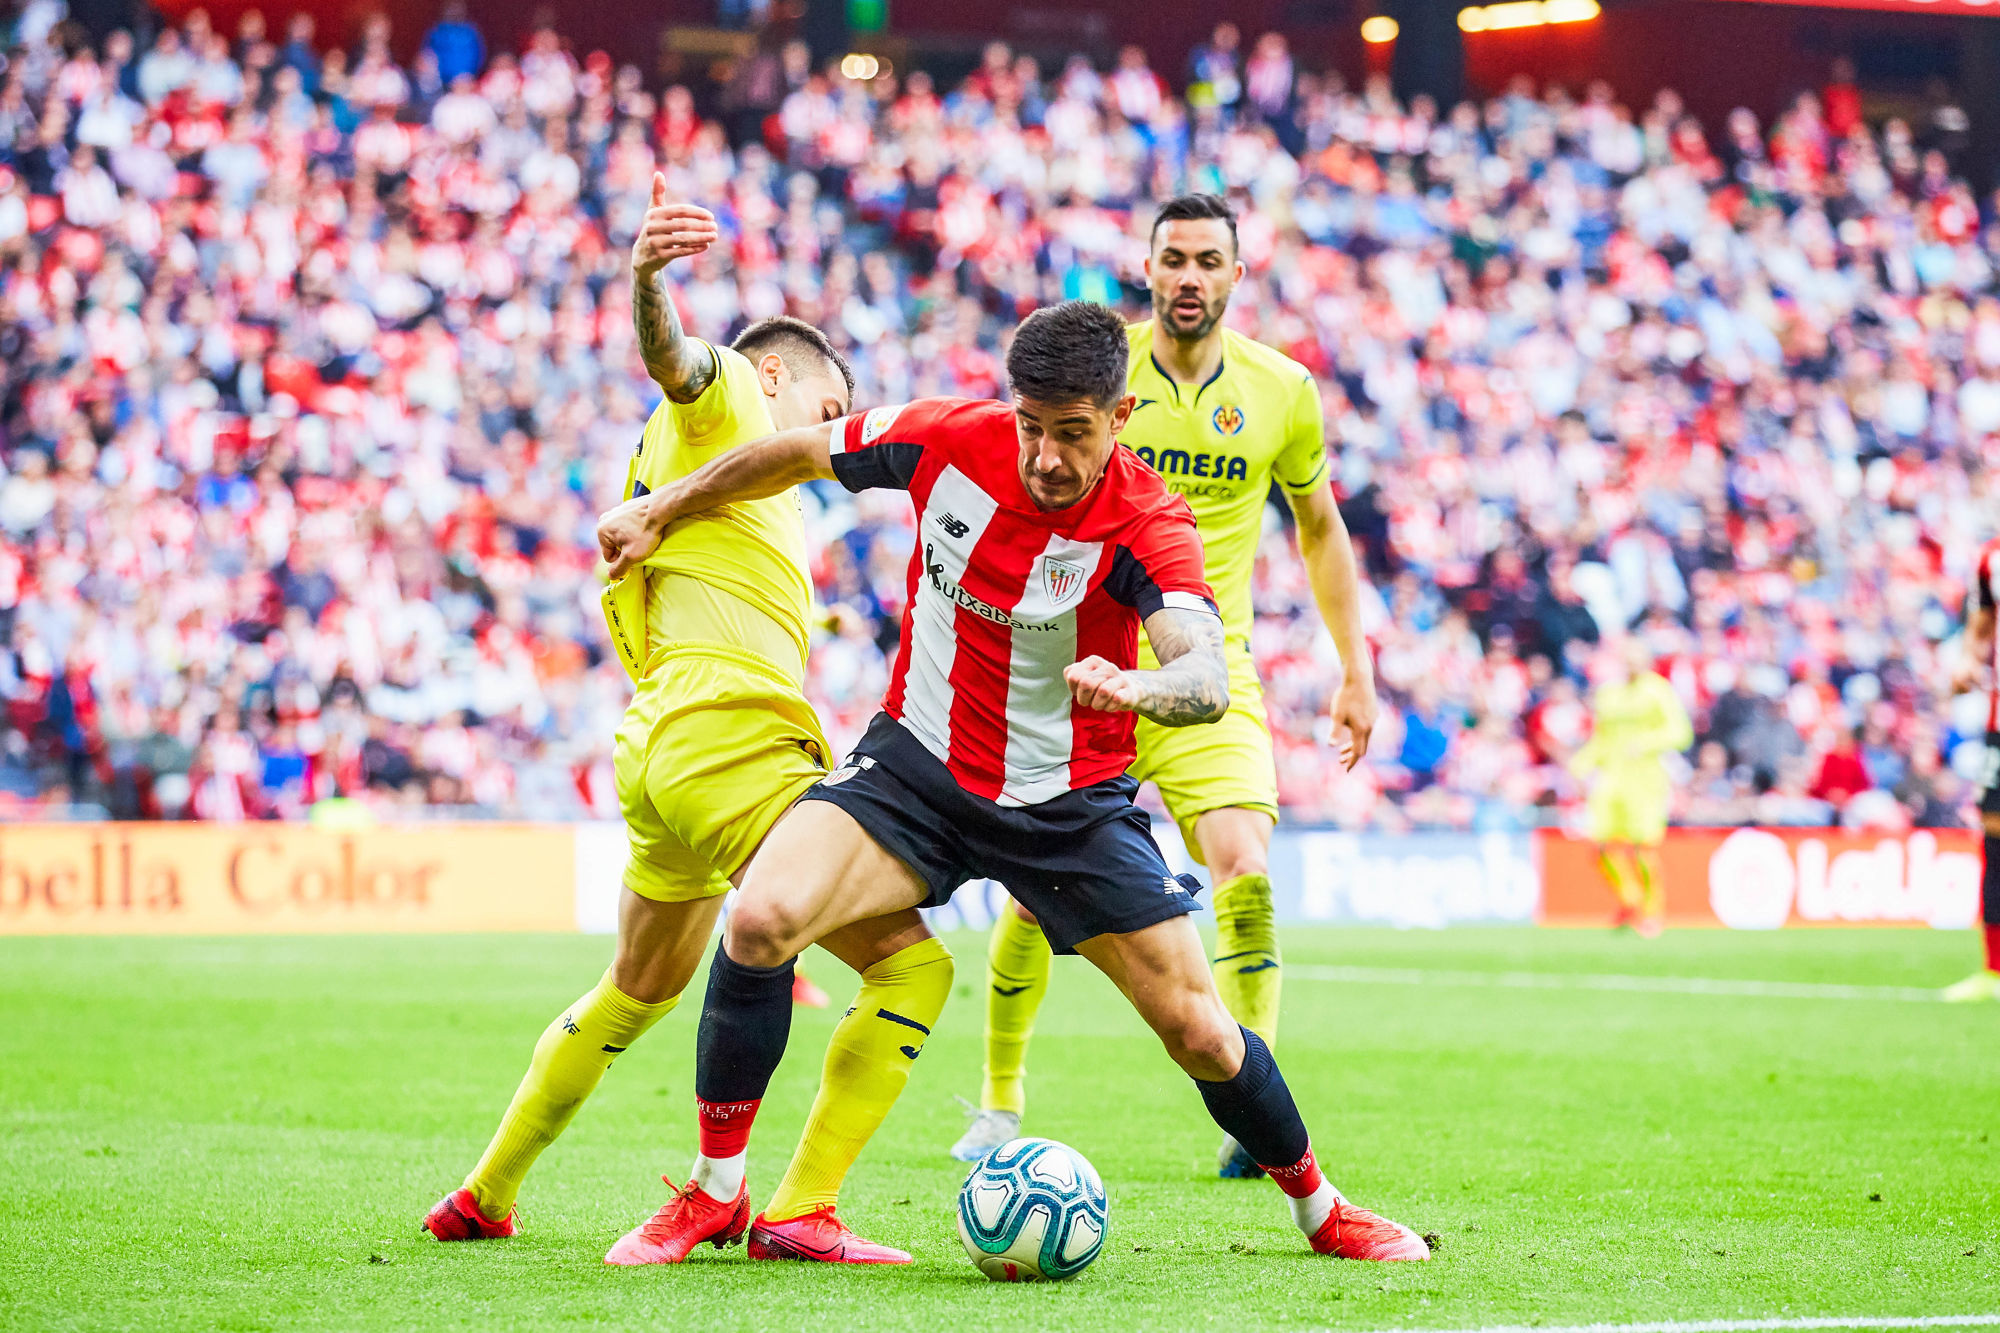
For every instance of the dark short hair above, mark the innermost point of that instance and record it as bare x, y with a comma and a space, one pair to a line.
1064, 352
798, 344
1195, 208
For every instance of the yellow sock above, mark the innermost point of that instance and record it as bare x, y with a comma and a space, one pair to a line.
867, 1063
1246, 953
569, 1060
1622, 882
1017, 977
1652, 894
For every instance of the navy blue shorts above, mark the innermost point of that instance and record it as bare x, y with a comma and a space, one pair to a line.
1084, 863
1989, 777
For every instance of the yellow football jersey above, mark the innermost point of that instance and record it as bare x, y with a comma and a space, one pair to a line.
1221, 446
754, 552
1634, 725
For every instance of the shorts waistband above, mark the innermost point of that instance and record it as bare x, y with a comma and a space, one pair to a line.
747, 658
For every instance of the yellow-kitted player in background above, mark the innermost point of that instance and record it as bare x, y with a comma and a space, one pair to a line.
718, 740
1636, 722
1221, 417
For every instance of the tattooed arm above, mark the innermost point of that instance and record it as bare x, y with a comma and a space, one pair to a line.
680, 365
1190, 686
627, 534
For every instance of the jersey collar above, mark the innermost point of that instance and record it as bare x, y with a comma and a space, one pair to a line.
1221, 364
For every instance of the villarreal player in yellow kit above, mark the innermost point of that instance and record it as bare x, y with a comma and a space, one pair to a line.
1221, 417
718, 741
1636, 721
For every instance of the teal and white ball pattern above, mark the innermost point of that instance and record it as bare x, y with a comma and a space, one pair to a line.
1032, 1209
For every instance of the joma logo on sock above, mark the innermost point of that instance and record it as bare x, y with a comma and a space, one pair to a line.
912, 1051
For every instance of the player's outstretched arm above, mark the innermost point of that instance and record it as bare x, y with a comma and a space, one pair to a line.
771, 466
1190, 686
1328, 553
682, 366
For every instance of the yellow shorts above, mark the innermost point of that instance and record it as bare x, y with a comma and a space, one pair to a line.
1218, 765
1632, 810
715, 747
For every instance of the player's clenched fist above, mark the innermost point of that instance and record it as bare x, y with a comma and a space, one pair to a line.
1096, 683
627, 534
670, 231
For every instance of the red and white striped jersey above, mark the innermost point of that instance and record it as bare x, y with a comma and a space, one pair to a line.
1004, 595
1984, 597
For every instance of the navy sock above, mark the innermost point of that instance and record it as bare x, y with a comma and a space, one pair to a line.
1256, 1108
746, 1020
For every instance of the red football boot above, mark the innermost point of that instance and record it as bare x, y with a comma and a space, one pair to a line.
807, 994
457, 1217
1356, 1233
683, 1222
819, 1237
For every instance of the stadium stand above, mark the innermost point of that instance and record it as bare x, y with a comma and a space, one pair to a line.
318, 369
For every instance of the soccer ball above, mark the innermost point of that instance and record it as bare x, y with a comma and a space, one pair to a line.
1032, 1209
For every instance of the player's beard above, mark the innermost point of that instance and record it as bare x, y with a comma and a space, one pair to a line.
1068, 490
1170, 320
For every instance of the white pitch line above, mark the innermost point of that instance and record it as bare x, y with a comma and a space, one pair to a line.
1611, 981
1748, 1325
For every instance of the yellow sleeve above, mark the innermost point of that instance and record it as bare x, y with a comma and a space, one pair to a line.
1302, 464
1588, 757
712, 418
1674, 729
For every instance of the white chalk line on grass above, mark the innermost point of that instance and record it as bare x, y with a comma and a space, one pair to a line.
1612, 981
1749, 1325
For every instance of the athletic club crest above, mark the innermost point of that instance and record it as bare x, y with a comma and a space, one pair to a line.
1228, 419
1061, 580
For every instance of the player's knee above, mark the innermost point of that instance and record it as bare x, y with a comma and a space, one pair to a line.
1202, 1038
764, 932
1238, 861
1991, 824
1024, 913
645, 979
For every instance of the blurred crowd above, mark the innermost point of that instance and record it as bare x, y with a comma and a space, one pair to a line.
318, 367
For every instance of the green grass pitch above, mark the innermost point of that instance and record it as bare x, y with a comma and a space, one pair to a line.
243, 1135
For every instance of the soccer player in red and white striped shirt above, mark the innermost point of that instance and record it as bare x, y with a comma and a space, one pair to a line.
1978, 667
1000, 753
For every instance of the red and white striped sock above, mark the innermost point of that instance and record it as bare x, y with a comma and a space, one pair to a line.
1311, 1194
725, 1141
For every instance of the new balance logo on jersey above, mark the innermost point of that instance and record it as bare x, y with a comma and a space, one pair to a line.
934, 571
953, 525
